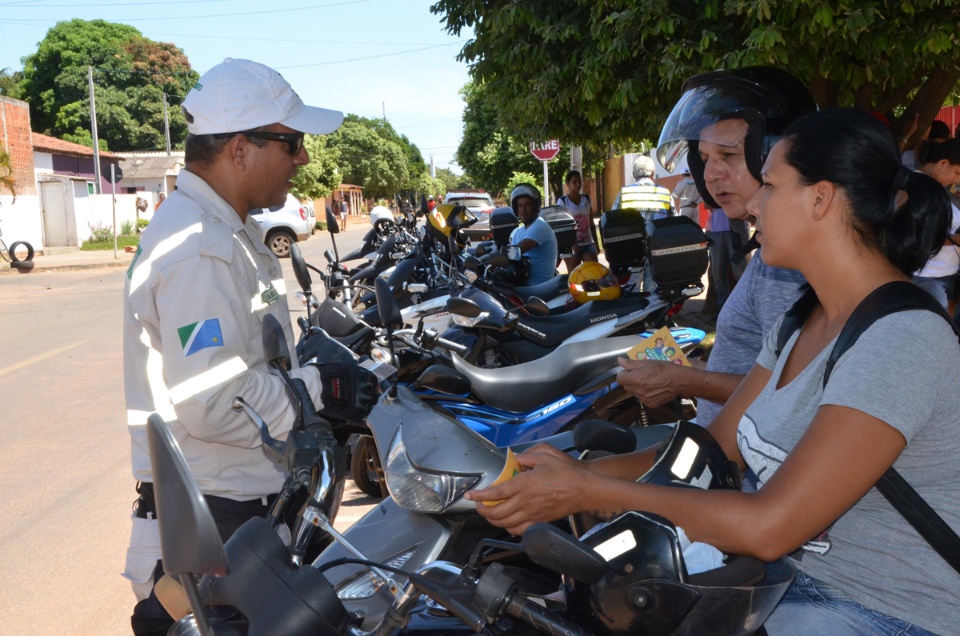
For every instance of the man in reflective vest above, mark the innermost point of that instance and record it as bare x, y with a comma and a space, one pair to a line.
655, 202
195, 299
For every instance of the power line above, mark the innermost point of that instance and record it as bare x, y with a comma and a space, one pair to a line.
219, 15
369, 57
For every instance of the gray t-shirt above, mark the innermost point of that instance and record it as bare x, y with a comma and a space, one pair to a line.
761, 295
904, 370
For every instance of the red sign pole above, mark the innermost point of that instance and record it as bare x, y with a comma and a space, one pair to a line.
545, 152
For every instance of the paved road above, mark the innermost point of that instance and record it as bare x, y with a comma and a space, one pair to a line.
65, 482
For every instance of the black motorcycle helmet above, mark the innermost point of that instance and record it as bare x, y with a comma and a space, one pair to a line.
524, 190
768, 99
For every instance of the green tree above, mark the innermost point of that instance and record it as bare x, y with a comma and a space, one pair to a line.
131, 74
7, 180
367, 159
321, 176
10, 83
596, 72
522, 177
449, 180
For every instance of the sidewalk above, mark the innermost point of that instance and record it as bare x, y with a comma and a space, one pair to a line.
72, 258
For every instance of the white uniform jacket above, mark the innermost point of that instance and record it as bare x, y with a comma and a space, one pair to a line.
195, 298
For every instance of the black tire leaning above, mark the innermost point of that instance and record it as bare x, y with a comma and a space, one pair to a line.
361, 469
22, 267
12, 251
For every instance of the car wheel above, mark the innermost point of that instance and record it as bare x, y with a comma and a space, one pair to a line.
280, 241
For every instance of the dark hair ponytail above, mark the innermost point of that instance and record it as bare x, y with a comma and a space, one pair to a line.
849, 148
935, 151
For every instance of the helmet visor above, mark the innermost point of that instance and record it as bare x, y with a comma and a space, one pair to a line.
700, 108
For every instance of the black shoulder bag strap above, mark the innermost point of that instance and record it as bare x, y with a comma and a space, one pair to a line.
886, 299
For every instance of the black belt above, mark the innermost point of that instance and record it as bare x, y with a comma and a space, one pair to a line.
145, 506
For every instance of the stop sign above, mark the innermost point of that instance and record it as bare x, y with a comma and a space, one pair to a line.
545, 151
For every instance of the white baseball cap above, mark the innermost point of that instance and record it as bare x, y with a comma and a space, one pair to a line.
239, 95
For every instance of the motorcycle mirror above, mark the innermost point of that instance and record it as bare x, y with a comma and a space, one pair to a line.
498, 259
300, 268
537, 307
386, 304
471, 263
275, 343
601, 435
463, 307
387, 246
550, 547
332, 226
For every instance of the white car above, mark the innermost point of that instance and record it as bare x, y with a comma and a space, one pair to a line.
481, 204
284, 225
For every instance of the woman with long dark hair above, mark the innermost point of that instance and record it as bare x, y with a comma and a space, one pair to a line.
940, 160
837, 205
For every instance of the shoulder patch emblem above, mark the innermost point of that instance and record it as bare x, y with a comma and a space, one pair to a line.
200, 335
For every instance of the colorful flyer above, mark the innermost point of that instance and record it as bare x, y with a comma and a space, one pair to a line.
660, 346
511, 469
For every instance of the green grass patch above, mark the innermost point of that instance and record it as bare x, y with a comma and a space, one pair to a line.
122, 241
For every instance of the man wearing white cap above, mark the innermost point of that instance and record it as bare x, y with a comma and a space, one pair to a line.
196, 295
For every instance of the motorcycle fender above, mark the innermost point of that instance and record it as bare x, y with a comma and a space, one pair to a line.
386, 532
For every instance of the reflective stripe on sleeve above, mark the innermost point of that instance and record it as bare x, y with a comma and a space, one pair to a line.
207, 380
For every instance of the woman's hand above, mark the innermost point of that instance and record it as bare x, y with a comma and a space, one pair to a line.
652, 381
551, 488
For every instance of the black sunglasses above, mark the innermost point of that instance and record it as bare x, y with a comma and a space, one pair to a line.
294, 141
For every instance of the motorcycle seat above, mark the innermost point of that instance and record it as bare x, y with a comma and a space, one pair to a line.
557, 328
544, 291
524, 387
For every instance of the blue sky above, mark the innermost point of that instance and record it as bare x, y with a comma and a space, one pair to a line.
358, 56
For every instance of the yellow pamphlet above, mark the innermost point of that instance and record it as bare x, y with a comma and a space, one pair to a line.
660, 346
511, 469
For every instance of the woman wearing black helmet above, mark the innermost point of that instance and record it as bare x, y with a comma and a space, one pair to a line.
725, 123
837, 205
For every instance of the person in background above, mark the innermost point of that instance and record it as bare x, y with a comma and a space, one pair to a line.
160, 200
941, 162
431, 203
197, 292
535, 237
579, 207
938, 131
687, 198
654, 201
343, 213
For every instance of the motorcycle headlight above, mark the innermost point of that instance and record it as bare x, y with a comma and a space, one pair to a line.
366, 584
420, 490
381, 355
467, 321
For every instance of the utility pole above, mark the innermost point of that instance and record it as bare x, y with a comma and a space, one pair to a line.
93, 132
433, 168
384, 111
166, 123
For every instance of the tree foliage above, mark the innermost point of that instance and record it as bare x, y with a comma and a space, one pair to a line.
449, 180
373, 155
131, 74
7, 179
10, 83
322, 175
608, 71
369, 160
